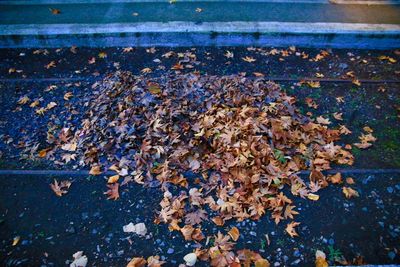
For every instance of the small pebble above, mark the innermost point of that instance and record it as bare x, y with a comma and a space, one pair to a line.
170, 251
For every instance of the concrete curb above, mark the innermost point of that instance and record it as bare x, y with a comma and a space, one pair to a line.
179, 33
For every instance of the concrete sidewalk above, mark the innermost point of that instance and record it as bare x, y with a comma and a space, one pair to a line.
189, 23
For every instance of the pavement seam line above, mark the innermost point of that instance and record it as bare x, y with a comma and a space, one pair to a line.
86, 172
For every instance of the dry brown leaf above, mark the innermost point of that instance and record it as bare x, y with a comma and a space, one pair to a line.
249, 59
137, 262
290, 229
60, 188
113, 191
335, 179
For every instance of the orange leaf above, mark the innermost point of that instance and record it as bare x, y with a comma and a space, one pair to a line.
234, 233
113, 179
112, 192
95, 170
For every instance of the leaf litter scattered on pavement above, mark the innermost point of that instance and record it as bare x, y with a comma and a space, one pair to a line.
220, 148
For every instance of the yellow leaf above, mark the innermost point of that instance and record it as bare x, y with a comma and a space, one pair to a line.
261, 263
349, 192
320, 259
154, 88
313, 197
16, 240
113, 179
102, 55
356, 82
23, 100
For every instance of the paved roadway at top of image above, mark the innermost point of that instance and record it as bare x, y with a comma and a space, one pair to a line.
99, 12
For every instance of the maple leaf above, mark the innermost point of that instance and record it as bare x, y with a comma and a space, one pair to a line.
60, 188
322, 120
196, 217
68, 157
290, 229
154, 261
112, 192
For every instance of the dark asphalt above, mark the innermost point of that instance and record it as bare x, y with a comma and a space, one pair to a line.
51, 229
99, 13
83, 219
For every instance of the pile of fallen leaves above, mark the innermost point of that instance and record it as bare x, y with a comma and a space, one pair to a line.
220, 148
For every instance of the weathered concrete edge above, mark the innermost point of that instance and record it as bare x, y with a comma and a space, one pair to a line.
180, 33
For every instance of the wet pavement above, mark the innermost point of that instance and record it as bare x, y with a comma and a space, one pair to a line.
51, 228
